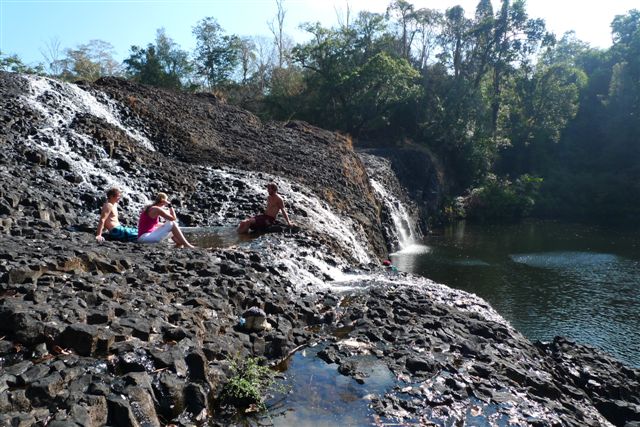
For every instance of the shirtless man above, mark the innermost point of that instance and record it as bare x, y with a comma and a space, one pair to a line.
275, 204
109, 220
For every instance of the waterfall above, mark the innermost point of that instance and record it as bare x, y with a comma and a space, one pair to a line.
62, 102
404, 226
399, 224
59, 104
304, 208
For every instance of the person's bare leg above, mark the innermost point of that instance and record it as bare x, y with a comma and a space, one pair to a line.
245, 225
179, 238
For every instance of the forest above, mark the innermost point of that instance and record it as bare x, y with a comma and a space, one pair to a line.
522, 121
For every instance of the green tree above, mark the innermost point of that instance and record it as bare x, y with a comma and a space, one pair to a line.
543, 104
247, 56
217, 54
404, 14
515, 39
428, 26
624, 90
453, 39
14, 64
90, 61
336, 64
380, 89
143, 66
162, 64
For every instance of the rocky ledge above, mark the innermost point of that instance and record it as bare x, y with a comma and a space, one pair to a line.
128, 335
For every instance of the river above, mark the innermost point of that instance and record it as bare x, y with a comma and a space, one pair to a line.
546, 278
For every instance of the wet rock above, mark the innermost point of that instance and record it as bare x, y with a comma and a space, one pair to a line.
91, 411
32, 374
135, 361
230, 269
350, 368
169, 392
99, 388
255, 319
142, 406
197, 365
195, 398
619, 412
18, 420
174, 334
19, 401
140, 328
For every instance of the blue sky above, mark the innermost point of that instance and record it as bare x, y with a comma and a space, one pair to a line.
27, 25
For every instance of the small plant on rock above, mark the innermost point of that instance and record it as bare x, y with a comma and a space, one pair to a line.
248, 386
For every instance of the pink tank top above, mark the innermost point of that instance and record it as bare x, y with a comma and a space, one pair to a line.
146, 223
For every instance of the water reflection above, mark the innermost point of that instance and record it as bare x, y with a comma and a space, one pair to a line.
319, 395
215, 237
546, 278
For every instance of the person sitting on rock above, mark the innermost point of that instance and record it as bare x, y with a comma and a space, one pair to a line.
150, 230
109, 220
275, 204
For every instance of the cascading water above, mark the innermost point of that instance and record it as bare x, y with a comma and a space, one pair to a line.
405, 228
59, 104
62, 102
310, 212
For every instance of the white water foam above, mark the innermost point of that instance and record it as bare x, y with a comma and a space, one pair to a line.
73, 100
59, 104
404, 226
319, 215
413, 249
232, 194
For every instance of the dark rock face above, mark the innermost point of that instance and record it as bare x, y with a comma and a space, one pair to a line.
126, 334
452, 359
178, 137
213, 133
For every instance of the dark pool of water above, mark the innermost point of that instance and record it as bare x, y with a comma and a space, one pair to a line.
546, 278
317, 394
215, 237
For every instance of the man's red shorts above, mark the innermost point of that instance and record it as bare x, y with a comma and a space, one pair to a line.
262, 222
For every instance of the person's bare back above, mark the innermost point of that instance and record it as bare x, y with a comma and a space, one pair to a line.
110, 223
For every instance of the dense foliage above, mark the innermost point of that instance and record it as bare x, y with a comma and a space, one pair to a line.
500, 199
491, 93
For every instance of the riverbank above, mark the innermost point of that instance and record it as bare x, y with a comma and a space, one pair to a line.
126, 334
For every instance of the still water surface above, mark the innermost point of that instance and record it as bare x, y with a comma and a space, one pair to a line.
545, 278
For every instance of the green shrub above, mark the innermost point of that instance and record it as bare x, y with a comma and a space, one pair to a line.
500, 199
248, 385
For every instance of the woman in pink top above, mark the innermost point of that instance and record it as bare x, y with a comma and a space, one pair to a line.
150, 230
